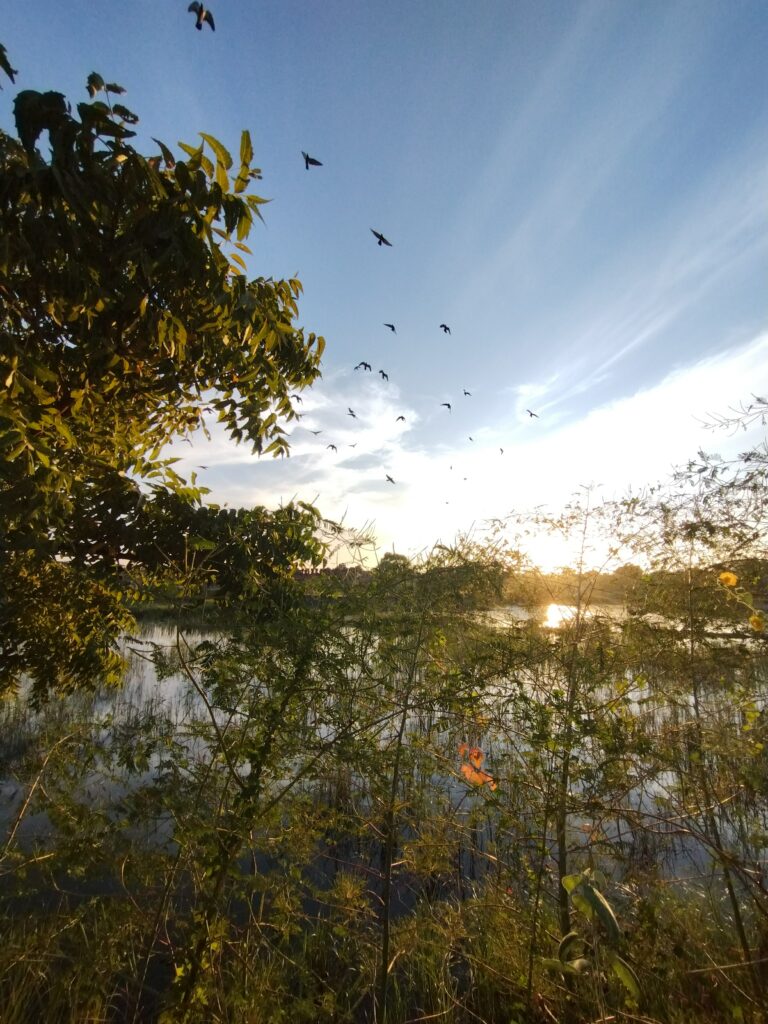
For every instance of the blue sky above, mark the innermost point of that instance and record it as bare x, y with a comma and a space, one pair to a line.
577, 188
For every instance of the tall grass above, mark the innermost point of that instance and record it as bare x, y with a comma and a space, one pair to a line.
365, 811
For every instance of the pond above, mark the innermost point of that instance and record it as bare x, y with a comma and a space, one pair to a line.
128, 729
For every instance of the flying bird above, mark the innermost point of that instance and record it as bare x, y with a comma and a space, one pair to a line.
315, 432
467, 393
352, 413
400, 418
445, 328
471, 438
391, 327
447, 405
202, 15
332, 447
501, 450
390, 478
534, 415
380, 239
365, 366
309, 161
352, 445
384, 376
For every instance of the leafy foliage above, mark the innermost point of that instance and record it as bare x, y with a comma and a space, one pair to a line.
127, 318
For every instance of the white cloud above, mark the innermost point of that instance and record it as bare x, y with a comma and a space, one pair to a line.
627, 443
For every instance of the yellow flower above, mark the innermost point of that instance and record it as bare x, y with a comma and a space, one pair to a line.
757, 622
728, 579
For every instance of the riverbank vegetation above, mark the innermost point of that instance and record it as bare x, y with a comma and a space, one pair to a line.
376, 804
381, 792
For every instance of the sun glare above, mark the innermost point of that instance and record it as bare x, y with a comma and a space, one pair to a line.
558, 615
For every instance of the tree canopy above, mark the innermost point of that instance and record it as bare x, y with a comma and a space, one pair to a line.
127, 319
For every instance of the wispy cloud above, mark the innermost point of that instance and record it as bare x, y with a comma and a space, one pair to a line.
714, 232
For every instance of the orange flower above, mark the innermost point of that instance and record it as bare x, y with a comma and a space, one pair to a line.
728, 579
463, 748
757, 622
476, 756
477, 777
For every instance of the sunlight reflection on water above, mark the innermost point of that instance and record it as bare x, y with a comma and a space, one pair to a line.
559, 614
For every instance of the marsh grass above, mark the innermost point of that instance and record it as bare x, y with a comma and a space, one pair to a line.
327, 821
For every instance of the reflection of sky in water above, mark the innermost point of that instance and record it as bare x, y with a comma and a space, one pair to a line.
145, 702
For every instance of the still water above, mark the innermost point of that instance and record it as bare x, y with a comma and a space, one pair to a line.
172, 699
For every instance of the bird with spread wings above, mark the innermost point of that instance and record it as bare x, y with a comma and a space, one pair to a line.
203, 14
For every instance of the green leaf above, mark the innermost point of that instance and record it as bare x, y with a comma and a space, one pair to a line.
574, 967
206, 164
222, 179
592, 903
16, 451
222, 154
568, 945
195, 155
64, 430
94, 84
5, 64
550, 964
34, 112
246, 149
126, 114
580, 965
626, 976
201, 544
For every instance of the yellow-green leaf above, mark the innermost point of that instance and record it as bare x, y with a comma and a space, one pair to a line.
222, 154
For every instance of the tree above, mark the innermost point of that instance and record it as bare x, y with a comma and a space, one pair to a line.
127, 317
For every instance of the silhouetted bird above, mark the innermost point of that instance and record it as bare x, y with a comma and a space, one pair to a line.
535, 415
501, 450
202, 15
391, 327
365, 366
352, 445
468, 393
380, 239
390, 478
315, 432
309, 161
297, 398
351, 412
447, 405
399, 418
445, 328
332, 447
471, 438
384, 376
